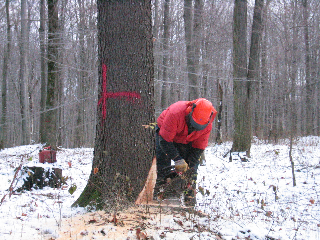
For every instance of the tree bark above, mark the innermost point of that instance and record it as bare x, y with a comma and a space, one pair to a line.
219, 116
190, 54
6, 60
123, 149
293, 70
49, 134
24, 74
197, 36
242, 115
165, 60
43, 62
254, 61
309, 87
82, 79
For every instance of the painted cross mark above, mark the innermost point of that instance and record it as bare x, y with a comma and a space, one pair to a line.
130, 96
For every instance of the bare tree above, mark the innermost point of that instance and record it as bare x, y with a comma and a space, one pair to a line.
165, 60
246, 88
293, 69
24, 73
219, 116
82, 77
241, 86
309, 87
254, 61
190, 49
49, 134
6, 60
43, 66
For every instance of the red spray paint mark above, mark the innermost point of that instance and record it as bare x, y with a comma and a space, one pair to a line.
130, 96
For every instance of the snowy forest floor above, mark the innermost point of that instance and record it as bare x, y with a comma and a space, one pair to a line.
236, 200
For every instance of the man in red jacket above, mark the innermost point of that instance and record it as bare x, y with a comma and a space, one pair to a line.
182, 134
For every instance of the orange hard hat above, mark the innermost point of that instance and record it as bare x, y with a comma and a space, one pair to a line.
200, 113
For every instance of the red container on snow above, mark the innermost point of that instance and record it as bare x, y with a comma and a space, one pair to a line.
47, 155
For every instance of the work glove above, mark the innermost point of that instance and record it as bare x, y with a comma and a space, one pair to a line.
181, 166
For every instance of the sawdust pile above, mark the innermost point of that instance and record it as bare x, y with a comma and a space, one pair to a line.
141, 222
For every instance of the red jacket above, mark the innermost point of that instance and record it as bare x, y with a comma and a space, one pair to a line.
173, 126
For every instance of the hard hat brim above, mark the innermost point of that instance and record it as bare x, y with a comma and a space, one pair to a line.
196, 125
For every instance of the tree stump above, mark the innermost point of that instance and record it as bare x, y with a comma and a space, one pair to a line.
39, 177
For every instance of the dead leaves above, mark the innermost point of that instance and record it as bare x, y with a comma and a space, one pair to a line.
141, 235
312, 201
73, 188
268, 213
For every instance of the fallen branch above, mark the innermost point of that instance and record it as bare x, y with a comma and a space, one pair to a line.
11, 185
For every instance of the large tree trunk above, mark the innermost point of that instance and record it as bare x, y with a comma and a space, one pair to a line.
123, 149
24, 74
242, 116
6, 60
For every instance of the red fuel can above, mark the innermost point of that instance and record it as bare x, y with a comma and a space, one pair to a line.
47, 155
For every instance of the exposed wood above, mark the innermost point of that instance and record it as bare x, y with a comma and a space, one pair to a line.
146, 195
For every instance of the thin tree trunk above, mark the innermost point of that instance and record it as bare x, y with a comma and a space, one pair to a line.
242, 116
254, 62
50, 131
6, 60
290, 154
82, 79
165, 60
156, 50
197, 40
263, 103
190, 54
24, 74
43, 66
309, 92
294, 69
219, 116
59, 75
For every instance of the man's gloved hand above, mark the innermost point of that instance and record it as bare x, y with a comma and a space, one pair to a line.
181, 166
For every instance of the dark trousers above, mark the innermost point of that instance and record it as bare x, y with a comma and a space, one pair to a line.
164, 168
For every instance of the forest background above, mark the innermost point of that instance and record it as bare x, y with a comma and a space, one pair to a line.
187, 64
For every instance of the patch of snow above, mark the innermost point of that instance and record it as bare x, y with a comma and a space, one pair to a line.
242, 200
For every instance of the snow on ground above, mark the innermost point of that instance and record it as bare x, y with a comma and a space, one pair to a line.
241, 200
